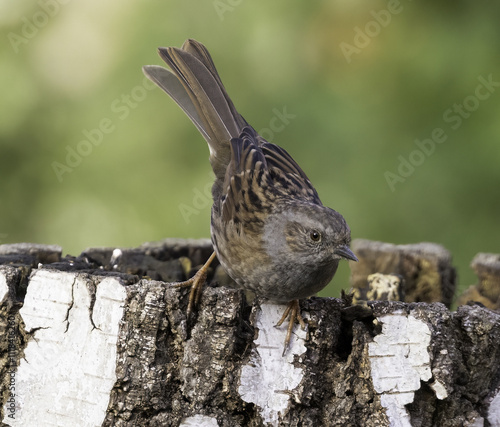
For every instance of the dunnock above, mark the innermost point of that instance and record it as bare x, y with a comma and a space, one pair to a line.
270, 231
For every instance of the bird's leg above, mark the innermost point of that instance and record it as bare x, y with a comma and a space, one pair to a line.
196, 284
292, 312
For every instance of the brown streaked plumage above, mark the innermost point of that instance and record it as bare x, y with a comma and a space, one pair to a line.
270, 231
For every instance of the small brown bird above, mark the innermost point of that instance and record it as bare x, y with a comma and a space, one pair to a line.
270, 231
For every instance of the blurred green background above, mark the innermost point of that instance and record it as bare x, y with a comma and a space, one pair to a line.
362, 80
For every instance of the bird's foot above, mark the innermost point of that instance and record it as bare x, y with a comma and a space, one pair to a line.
292, 312
196, 284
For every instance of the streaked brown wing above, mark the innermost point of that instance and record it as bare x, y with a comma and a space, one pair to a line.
278, 158
243, 183
259, 176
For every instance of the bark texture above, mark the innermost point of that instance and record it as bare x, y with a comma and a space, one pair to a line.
487, 290
425, 268
103, 339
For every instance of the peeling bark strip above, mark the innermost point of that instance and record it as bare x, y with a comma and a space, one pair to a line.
70, 360
93, 341
400, 361
266, 378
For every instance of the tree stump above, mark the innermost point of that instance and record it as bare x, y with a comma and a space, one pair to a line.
425, 268
487, 290
103, 340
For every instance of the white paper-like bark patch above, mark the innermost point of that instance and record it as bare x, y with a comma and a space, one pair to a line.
439, 389
399, 360
4, 289
269, 376
199, 421
494, 410
69, 366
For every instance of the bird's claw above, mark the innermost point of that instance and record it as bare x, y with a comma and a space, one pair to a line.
292, 312
196, 284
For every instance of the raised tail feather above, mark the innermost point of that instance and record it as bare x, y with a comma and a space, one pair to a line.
196, 87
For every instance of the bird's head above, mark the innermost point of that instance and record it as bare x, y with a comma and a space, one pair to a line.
311, 233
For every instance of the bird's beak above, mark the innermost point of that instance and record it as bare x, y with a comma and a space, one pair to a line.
345, 252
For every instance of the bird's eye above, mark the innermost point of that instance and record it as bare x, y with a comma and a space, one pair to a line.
315, 235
